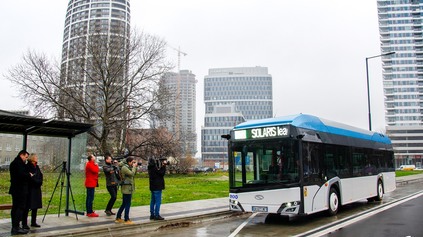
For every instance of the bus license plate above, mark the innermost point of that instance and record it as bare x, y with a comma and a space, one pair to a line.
259, 209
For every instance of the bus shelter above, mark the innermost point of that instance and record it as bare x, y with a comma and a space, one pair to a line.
13, 123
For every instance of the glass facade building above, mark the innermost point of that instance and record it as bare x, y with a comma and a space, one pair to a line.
232, 96
400, 27
183, 106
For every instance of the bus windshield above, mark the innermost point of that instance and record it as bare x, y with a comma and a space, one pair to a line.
261, 163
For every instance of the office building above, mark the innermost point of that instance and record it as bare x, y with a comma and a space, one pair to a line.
232, 96
400, 27
183, 109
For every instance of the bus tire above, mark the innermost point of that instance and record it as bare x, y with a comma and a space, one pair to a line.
333, 202
379, 191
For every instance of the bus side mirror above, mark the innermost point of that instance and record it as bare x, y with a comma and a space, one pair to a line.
226, 136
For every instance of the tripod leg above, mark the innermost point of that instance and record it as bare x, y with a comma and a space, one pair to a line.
51, 198
61, 191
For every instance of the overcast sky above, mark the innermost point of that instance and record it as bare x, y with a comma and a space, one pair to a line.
315, 50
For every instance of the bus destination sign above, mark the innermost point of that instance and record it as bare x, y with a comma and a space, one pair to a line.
265, 132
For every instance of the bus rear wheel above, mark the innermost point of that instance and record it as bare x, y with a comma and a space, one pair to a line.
333, 202
379, 195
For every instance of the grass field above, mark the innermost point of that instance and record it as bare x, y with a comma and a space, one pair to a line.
400, 173
178, 188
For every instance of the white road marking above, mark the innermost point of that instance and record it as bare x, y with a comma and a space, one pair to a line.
242, 225
359, 217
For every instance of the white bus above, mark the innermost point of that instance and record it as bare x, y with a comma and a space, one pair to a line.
302, 164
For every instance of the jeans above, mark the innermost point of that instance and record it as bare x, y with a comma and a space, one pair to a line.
113, 195
155, 202
89, 200
126, 205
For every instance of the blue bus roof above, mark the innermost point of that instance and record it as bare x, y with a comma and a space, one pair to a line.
317, 124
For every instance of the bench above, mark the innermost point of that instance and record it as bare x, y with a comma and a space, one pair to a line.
5, 206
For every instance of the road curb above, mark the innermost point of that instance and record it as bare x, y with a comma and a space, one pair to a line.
138, 228
404, 182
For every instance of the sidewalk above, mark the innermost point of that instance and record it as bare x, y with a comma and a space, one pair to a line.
174, 213
409, 179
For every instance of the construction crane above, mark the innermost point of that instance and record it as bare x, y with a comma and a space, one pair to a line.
179, 56
178, 92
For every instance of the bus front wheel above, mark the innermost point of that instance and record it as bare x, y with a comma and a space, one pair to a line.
333, 202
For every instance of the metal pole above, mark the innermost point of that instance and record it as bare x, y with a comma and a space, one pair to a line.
68, 175
368, 86
368, 94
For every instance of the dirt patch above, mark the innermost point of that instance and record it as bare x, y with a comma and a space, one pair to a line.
175, 225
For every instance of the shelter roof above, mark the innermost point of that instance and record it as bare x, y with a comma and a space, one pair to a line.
22, 124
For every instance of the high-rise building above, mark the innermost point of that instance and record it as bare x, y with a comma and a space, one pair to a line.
95, 35
400, 27
183, 107
232, 96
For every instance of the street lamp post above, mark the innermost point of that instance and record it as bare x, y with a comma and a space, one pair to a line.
368, 86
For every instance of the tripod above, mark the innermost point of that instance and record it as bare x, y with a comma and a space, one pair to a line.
61, 179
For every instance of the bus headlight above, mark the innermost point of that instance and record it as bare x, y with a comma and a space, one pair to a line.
291, 207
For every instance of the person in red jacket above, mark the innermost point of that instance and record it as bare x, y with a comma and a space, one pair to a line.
91, 182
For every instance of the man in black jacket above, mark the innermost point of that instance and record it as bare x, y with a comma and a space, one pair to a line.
19, 181
112, 181
156, 172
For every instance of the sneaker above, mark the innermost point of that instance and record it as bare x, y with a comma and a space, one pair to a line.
92, 214
158, 218
118, 220
128, 222
108, 213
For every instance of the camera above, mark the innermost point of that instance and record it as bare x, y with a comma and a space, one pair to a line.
139, 163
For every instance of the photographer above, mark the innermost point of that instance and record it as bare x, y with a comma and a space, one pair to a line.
128, 171
111, 170
156, 172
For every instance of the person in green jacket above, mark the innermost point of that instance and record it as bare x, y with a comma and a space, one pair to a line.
128, 171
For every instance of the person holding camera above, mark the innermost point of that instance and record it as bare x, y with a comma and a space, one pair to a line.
91, 182
111, 170
156, 172
128, 171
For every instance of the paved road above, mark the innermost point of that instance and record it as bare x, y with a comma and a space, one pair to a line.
402, 220
264, 225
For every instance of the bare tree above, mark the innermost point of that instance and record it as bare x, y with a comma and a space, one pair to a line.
114, 85
152, 143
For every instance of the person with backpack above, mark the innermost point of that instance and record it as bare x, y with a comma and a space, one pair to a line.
128, 171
